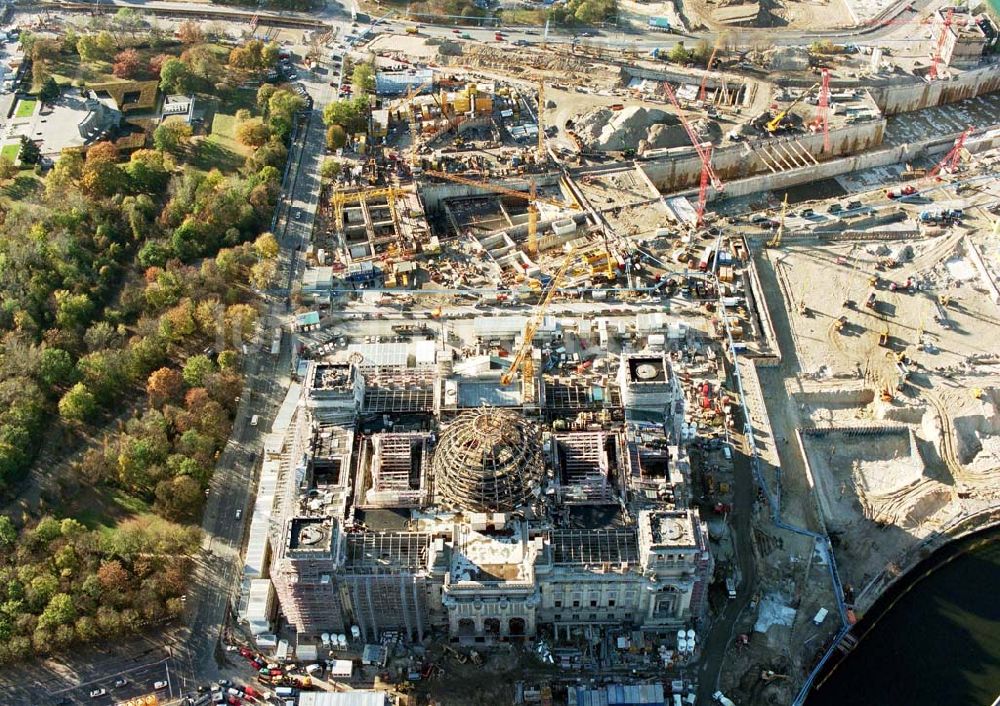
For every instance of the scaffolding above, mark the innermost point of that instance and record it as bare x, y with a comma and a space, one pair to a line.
488, 460
583, 465
398, 470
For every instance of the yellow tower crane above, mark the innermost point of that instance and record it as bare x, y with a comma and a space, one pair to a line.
531, 197
522, 359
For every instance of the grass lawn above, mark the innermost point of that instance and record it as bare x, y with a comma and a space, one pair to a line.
524, 17
25, 108
99, 508
10, 151
220, 149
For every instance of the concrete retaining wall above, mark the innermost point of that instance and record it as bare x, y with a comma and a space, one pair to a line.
756, 297
434, 194
735, 161
876, 158
858, 396
916, 96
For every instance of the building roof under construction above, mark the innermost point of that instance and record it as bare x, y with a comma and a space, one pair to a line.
489, 459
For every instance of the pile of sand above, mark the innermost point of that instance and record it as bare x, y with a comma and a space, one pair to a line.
637, 128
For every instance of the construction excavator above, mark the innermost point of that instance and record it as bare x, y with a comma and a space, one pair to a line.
778, 121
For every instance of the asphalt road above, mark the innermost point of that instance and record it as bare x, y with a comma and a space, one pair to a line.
338, 14
233, 484
722, 630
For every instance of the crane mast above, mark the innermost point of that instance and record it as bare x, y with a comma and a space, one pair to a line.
708, 174
522, 359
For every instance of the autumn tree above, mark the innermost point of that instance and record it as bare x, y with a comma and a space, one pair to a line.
266, 246
262, 273
127, 64
252, 133
164, 385
190, 32
179, 498
336, 137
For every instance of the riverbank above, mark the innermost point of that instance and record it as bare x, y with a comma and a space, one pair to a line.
933, 638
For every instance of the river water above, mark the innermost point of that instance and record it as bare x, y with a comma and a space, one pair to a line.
933, 640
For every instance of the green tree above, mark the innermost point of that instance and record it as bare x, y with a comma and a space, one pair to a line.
59, 611
56, 368
330, 168
175, 77
228, 360
679, 55
78, 404
363, 78
196, 369
49, 92
29, 153
86, 47
154, 253
264, 94
8, 533
172, 136
73, 310
349, 114
106, 43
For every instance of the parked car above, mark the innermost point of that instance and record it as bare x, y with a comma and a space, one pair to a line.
98, 693
120, 682
159, 685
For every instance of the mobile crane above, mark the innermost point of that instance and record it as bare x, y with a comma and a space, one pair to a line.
778, 120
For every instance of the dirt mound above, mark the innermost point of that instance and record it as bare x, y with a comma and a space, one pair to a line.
608, 130
787, 59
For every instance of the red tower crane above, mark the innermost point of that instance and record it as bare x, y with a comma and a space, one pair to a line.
950, 160
823, 112
945, 28
704, 154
